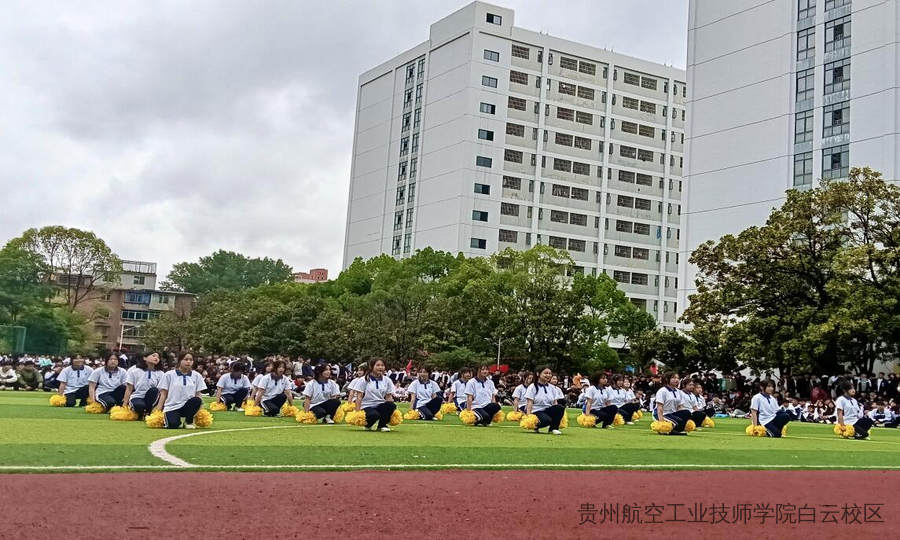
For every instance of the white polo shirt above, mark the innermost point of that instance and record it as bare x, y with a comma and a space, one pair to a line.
107, 381
629, 395
519, 393
376, 390
617, 396
701, 402
851, 408
459, 391
358, 384
141, 380
766, 407
272, 387
598, 396
318, 392
482, 392
74, 378
229, 385
424, 392
180, 388
689, 401
671, 399
543, 396
257, 380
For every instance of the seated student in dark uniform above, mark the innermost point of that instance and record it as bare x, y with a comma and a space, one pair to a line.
542, 400
765, 410
425, 395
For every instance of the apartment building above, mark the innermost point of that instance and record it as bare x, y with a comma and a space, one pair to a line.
315, 275
488, 136
771, 104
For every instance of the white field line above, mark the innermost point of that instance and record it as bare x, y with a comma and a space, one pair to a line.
158, 447
412, 466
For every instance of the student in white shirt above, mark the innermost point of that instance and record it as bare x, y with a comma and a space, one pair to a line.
668, 404
883, 416
254, 386
542, 400
359, 381
632, 399
141, 385
233, 388
375, 395
458, 392
481, 397
765, 410
273, 390
107, 386
519, 393
691, 403
850, 412
323, 395
425, 395
73, 382
598, 402
179, 393
622, 398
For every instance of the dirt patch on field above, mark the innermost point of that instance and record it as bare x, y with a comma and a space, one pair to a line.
453, 504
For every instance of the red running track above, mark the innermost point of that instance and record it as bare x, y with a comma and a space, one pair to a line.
453, 504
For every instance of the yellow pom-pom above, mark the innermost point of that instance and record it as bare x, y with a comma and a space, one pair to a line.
638, 414
304, 417
662, 426
467, 417
529, 422
411, 414
514, 416
784, 430
689, 426
94, 408
498, 417
396, 418
847, 432
248, 403
708, 422
618, 420
586, 420
203, 418
439, 416
356, 418
448, 408
122, 413
289, 410
156, 419
757, 431
252, 410
564, 423
57, 400
341, 413
218, 406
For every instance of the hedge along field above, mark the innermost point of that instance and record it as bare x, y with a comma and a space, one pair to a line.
33, 434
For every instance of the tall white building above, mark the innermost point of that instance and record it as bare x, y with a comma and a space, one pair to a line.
489, 136
774, 85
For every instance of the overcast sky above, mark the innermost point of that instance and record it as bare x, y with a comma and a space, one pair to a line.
172, 129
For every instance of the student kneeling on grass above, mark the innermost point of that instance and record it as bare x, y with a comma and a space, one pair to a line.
765, 410
458, 392
107, 385
142, 385
323, 395
425, 395
622, 399
274, 389
375, 396
542, 400
233, 388
669, 404
598, 401
29, 379
481, 397
73, 382
519, 393
850, 412
179, 393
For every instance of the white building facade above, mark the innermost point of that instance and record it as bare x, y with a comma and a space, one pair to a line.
774, 85
488, 136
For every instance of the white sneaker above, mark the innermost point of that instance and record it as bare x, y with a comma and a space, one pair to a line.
328, 420
629, 423
190, 426
385, 429
556, 432
239, 409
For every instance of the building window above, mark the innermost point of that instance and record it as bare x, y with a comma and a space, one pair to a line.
404, 146
631, 78
578, 219
409, 218
568, 63
626, 176
803, 169
557, 216
557, 242
508, 236
565, 114
640, 253
401, 195
479, 215
580, 194
648, 107
487, 108
837, 34
521, 52
406, 121
513, 156
509, 209
576, 245
642, 204
563, 140
587, 67
566, 88
518, 77
486, 135
560, 191
515, 103
415, 143
836, 162
488, 81
831, 4
482, 189
647, 131
562, 165
494, 19
623, 226
639, 279
586, 93
581, 168
641, 228
628, 127
803, 127
582, 143
510, 182
805, 84
398, 220
517, 130
139, 280
836, 119
644, 179
410, 72
621, 277
493, 56
584, 118
837, 76
627, 151
806, 8
625, 202
628, 103
481, 161
806, 43
648, 83
407, 242
478, 243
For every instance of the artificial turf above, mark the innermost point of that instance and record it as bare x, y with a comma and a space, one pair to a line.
33, 434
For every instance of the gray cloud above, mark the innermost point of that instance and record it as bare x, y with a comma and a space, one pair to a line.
172, 129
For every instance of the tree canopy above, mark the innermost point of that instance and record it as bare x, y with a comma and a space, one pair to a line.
226, 270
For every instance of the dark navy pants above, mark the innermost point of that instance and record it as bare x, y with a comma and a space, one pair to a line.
428, 410
143, 405
78, 395
550, 417
862, 427
486, 414
272, 407
187, 411
380, 413
605, 415
627, 411
698, 417
679, 420
326, 408
773, 428
110, 399
235, 399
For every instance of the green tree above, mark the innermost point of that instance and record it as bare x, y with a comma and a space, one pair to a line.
226, 270
22, 282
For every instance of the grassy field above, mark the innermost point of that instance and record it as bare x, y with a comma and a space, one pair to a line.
34, 435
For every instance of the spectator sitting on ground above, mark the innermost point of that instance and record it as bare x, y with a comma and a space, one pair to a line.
50, 382
8, 377
29, 378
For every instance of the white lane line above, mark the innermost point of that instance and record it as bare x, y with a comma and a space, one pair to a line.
158, 447
401, 466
